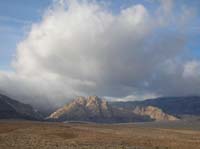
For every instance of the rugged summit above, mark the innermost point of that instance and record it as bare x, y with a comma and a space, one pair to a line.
12, 109
91, 109
96, 109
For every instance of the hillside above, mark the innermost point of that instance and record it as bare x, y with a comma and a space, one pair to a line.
12, 109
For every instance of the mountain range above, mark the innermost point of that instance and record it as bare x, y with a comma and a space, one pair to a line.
178, 106
96, 109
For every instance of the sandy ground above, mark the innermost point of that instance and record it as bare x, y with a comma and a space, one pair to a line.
43, 135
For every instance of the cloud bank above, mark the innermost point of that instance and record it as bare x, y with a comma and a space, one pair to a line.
83, 48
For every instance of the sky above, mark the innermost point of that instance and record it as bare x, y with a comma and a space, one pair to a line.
15, 19
54, 50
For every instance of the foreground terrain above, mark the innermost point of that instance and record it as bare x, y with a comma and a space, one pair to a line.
44, 135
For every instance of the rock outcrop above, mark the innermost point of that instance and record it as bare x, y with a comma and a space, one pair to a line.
96, 109
91, 108
154, 113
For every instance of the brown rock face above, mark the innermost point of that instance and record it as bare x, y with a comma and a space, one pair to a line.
154, 113
84, 109
96, 109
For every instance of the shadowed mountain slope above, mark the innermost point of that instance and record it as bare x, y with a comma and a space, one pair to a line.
12, 109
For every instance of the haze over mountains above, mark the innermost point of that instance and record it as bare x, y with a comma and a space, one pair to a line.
12, 109
95, 109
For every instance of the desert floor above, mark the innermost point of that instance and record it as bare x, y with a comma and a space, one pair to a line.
45, 135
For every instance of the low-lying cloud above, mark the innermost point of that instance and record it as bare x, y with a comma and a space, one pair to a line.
83, 48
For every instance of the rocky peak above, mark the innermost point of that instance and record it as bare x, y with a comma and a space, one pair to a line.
93, 101
87, 108
80, 100
93, 98
98, 107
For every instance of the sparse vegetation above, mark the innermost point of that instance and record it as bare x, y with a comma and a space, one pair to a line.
37, 135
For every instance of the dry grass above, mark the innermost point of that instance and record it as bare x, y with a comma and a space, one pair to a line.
36, 135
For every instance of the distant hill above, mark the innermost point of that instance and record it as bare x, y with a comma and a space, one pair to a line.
172, 105
96, 109
12, 109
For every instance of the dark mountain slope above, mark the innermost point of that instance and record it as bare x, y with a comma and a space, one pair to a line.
12, 109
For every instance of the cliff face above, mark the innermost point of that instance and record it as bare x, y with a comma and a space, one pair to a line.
154, 113
82, 108
99, 110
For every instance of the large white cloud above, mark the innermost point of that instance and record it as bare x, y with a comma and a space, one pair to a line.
82, 48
